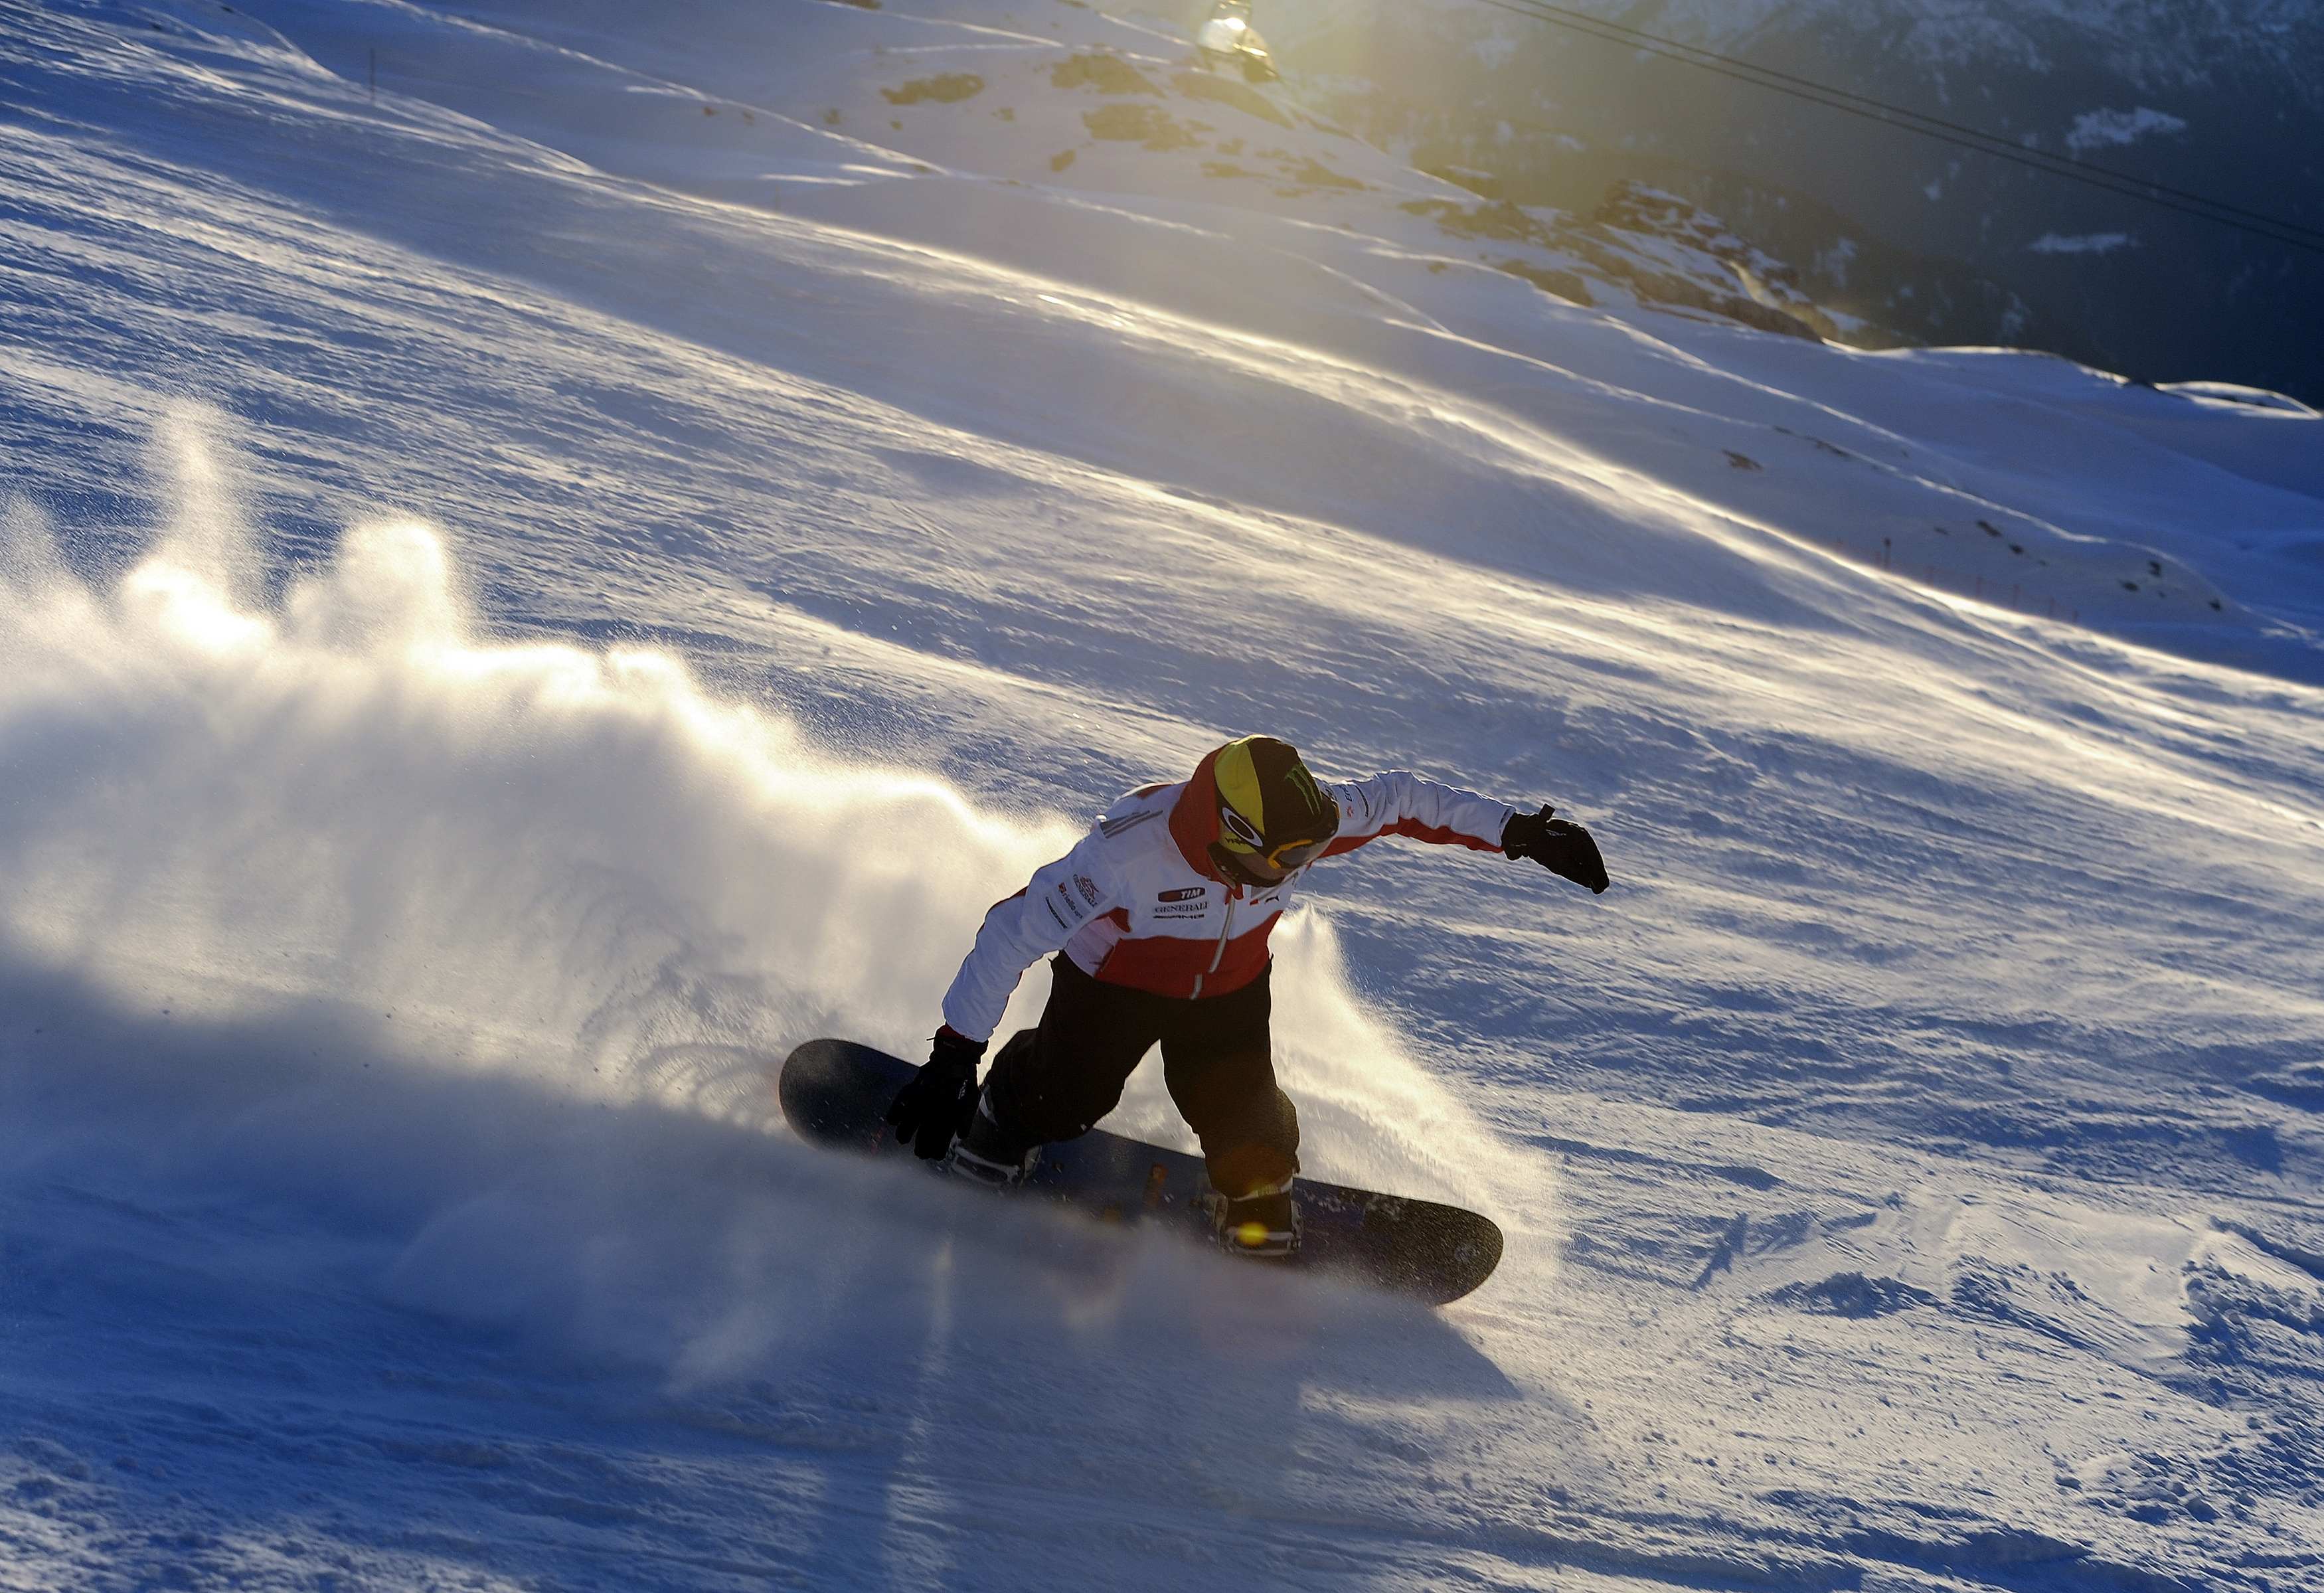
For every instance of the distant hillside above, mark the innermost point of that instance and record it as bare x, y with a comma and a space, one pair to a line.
1945, 244
1084, 107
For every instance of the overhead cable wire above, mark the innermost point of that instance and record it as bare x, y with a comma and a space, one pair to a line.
1896, 116
2273, 227
1993, 142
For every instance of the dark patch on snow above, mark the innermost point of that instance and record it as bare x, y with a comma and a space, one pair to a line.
1227, 91
1933, 1538
944, 89
1851, 1294
1108, 74
1742, 1238
2241, 1322
1140, 125
2302, 1084
2088, 1138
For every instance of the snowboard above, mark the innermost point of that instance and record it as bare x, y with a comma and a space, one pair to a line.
836, 1093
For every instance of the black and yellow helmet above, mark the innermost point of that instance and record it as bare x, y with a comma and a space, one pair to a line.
1273, 818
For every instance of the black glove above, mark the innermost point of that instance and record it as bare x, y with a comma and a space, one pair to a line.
1561, 847
932, 1109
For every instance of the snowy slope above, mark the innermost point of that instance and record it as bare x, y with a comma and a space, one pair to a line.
529, 595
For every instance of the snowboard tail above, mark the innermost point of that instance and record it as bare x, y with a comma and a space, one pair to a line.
836, 1093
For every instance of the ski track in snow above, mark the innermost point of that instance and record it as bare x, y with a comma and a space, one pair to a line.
521, 599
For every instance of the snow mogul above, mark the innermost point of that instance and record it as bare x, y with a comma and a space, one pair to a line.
1158, 918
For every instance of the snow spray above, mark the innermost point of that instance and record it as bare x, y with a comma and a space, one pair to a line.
572, 867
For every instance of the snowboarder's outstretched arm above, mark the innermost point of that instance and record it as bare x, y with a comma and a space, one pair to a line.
1401, 802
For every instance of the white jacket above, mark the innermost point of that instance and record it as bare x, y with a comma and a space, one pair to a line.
1137, 901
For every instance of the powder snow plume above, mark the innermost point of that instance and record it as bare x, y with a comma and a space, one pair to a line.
354, 818
534, 855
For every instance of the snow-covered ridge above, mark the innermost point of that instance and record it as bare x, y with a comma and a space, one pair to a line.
1087, 105
2097, 130
2085, 243
1102, 155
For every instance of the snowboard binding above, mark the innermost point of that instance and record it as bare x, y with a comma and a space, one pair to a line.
1260, 1225
988, 1155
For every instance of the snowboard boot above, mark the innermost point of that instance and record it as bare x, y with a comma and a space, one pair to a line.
989, 1153
1263, 1225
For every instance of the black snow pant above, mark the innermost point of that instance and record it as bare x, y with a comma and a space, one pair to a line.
1055, 1081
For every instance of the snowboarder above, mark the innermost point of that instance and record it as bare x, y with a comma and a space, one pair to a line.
1159, 918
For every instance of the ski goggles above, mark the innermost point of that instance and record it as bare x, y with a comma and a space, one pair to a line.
1237, 834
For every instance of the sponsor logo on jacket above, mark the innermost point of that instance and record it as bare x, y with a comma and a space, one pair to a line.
1065, 910
1188, 901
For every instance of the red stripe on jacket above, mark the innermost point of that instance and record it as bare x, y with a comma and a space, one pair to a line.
1412, 830
1167, 965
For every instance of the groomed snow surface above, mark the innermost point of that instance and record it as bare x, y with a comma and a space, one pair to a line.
531, 590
